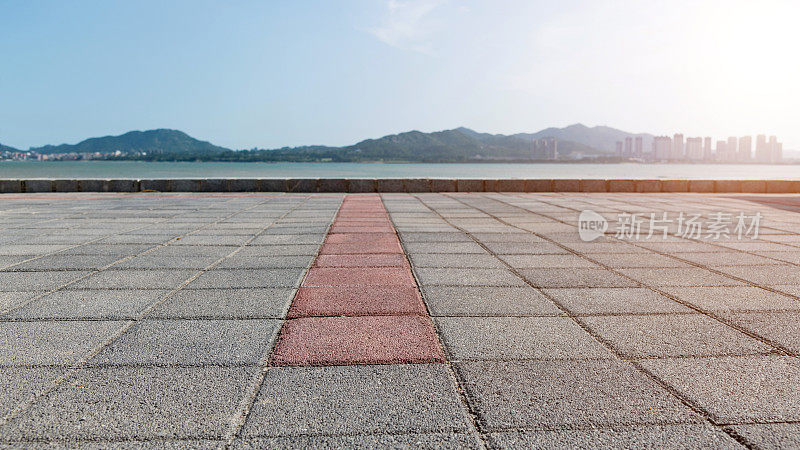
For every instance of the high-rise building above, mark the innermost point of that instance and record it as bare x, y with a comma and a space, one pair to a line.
628, 152
694, 148
677, 147
745, 148
638, 147
775, 150
662, 148
733, 152
777, 153
619, 149
545, 148
708, 152
722, 150
762, 149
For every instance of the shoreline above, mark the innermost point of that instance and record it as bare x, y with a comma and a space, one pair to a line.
398, 185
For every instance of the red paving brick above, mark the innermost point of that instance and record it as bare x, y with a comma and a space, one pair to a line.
378, 260
361, 247
338, 229
356, 301
357, 340
363, 223
359, 302
362, 220
359, 276
344, 238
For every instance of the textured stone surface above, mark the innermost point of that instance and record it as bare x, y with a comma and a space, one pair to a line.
356, 399
114, 333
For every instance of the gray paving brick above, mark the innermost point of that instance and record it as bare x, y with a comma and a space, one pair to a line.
592, 248
736, 389
30, 249
153, 239
726, 259
548, 261
443, 247
672, 335
620, 260
766, 275
489, 301
266, 262
467, 277
512, 235
188, 251
136, 403
135, 279
89, 303
279, 250
117, 250
521, 248
614, 301
658, 436
19, 384
679, 247
295, 229
679, 277
6, 261
415, 237
780, 327
395, 398
42, 343
596, 393
248, 278
739, 298
191, 342
36, 281
553, 278
398, 441
491, 338
227, 240
770, 435
446, 260
166, 262
284, 239
66, 262
10, 300
226, 303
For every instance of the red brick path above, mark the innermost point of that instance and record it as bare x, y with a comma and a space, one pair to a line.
359, 303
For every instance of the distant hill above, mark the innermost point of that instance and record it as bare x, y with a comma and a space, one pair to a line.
159, 142
459, 144
5, 148
601, 138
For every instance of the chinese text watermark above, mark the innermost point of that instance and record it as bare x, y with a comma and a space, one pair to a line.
640, 226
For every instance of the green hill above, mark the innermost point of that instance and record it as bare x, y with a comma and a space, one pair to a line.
460, 144
456, 145
5, 148
153, 142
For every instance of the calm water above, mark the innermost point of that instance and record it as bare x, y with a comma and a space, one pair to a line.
110, 169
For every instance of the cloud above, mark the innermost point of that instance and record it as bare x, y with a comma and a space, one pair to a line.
407, 25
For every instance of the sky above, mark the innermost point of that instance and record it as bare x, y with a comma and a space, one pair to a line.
269, 74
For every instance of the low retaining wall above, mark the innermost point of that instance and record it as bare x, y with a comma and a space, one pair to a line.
357, 185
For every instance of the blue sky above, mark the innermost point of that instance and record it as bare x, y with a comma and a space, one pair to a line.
272, 73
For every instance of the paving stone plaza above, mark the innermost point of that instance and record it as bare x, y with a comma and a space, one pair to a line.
453, 320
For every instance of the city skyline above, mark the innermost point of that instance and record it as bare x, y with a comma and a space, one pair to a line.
695, 148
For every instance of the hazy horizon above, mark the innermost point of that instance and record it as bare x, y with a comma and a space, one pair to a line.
271, 75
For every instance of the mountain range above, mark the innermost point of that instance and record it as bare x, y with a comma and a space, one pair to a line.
459, 144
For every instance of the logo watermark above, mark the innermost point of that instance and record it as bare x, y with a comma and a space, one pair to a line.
591, 225
641, 226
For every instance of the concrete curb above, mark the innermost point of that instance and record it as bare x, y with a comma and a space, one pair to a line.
362, 185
